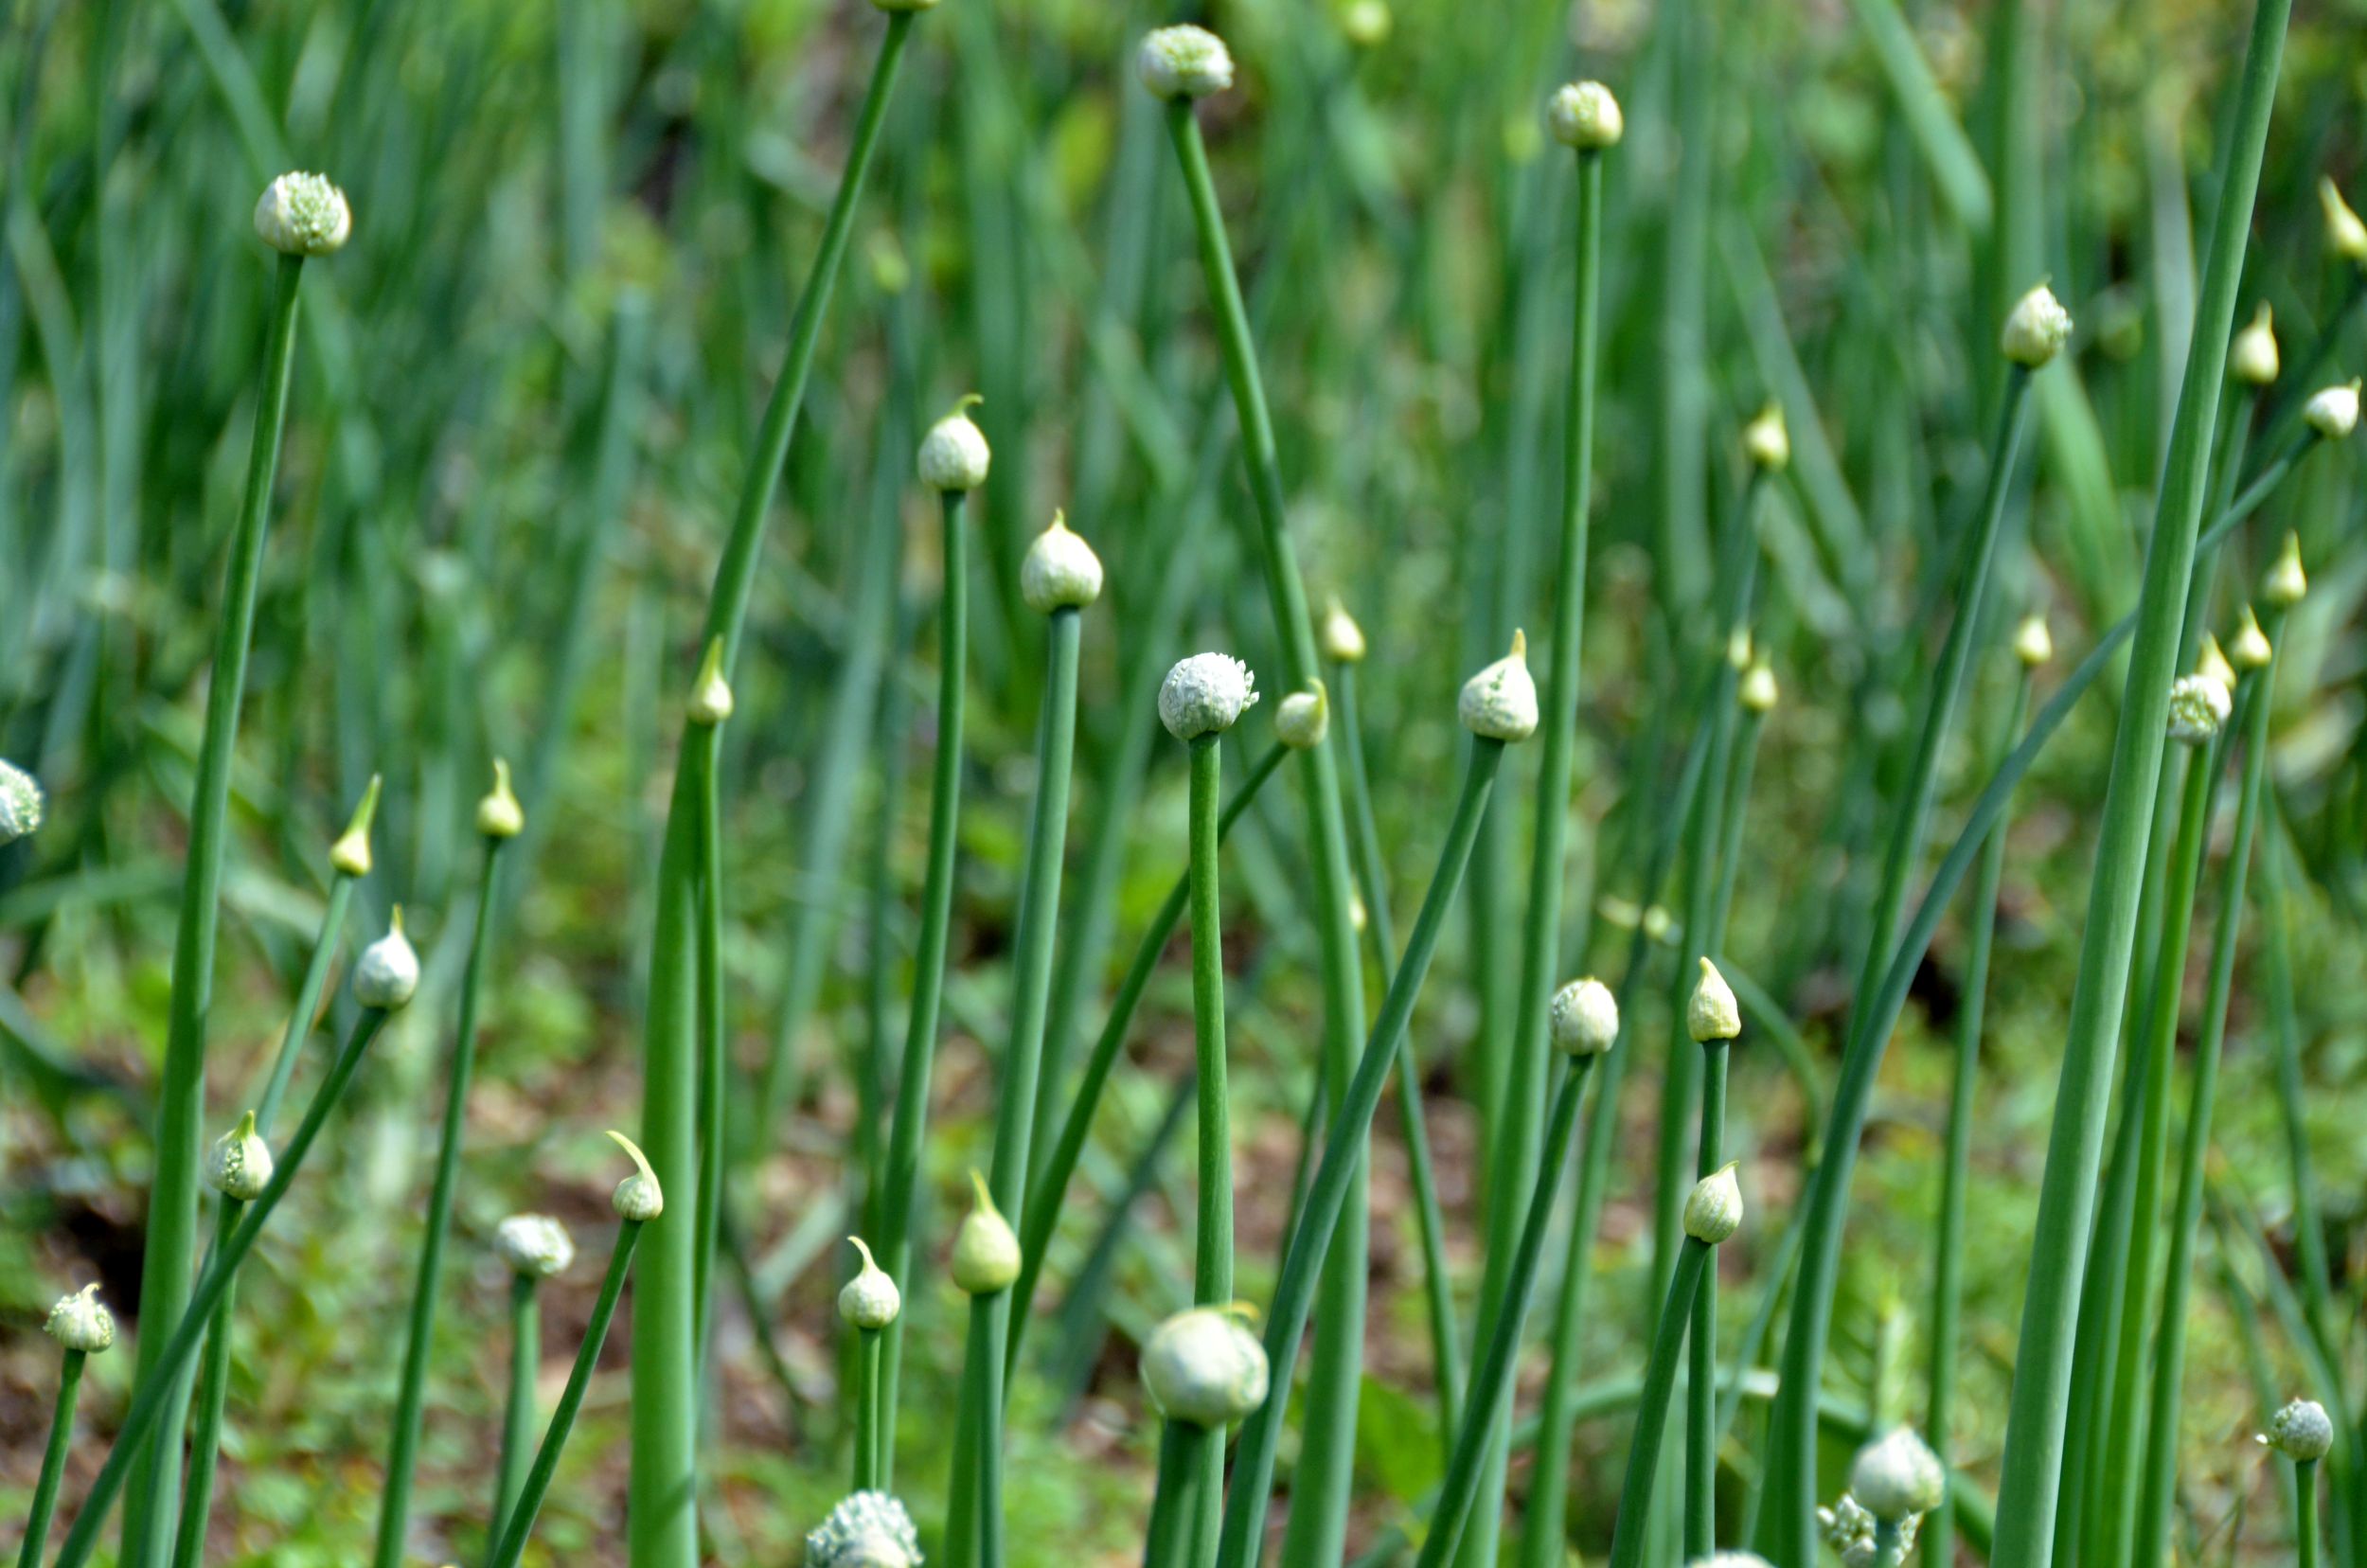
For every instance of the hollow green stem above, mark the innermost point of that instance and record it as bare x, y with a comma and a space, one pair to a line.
1050, 1186
152, 1392
2032, 1454
1633, 1524
168, 1257
2305, 1513
713, 1065
394, 1516
1166, 1540
899, 1184
1701, 1488
1212, 1259
868, 1423
213, 1392
1311, 1239
1888, 1547
307, 1000
525, 1361
52, 1460
2310, 1231
518, 1524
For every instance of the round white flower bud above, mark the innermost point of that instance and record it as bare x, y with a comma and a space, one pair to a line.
1205, 694
534, 1245
81, 1322
239, 1165
2035, 329
1061, 571
388, 972
20, 802
1343, 640
2249, 648
1304, 718
986, 1249
1585, 116
2301, 1431
1767, 440
2252, 358
351, 855
303, 215
871, 1300
869, 1530
499, 816
1757, 692
2033, 644
639, 1196
1204, 1367
953, 454
1500, 703
1713, 1209
2333, 412
2198, 706
710, 693
1184, 61
1896, 1475
2284, 584
1712, 1013
1585, 1018
2347, 237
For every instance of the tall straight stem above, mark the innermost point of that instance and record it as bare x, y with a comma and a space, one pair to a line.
307, 1000
714, 1066
525, 1361
169, 1255
867, 1424
1701, 1487
213, 1393
2305, 1513
394, 1509
2034, 1436
1633, 1524
1212, 1261
52, 1460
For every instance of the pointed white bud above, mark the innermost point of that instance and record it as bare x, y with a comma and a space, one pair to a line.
1304, 718
2212, 660
953, 454
1061, 571
499, 816
2035, 329
2284, 584
1712, 1013
535, 1245
81, 1322
986, 1249
1767, 441
1585, 1018
1205, 694
1713, 1209
2033, 644
1500, 703
351, 855
2333, 412
2252, 358
1758, 692
2249, 648
710, 693
1343, 640
303, 215
2347, 237
388, 972
871, 1300
639, 1196
1896, 1476
238, 1166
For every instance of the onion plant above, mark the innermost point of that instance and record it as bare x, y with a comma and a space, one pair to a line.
348, 862
499, 819
535, 1247
2303, 1432
711, 704
639, 1200
83, 1328
1713, 1022
868, 1304
1203, 1369
299, 216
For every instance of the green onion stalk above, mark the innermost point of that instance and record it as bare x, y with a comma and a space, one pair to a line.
2033, 1455
2036, 330
2303, 1432
499, 819
1585, 117
662, 1521
1498, 705
300, 216
1713, 1022
711, 704
2033, 647
536, 1247
868, 1304
83, 1328
1180, 66
348, 862
638, 1201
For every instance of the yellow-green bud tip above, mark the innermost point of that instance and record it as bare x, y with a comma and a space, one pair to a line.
1500, 703
1767, 440
986, 1249
638, 1197
710, 693
351, 855
2284, 584
1342, 639
2033, 644
871, 1300
1713, 1209
2252, 357
1758, 692
499, 816
2249, 648
2346, 235
2211, 660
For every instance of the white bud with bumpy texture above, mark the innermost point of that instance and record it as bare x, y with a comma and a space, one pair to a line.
1204, 1367
1713, 1209
1897, 1475
2301, 1431
1205, 694
1500, 703
871, 1300
1712, 1013
953, 455
868, 1529
1061, 571
1585, 116
1184, 61
303, 215
1584, 1018
21, 802
534, 1245
2035, 329
81, 1322
388, 972
238, 1166
2199, 707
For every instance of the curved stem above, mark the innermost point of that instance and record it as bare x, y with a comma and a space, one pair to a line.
52, 1460
1632, 1527
525, 1361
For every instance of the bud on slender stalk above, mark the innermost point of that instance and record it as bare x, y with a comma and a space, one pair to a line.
351, 855
986, 1251
1061, 571
1767, 441
1713, 1209
2252, 358
2249, 648
81, 1322
238, 1166
20, 802
869, 1530
1712, 1013
1203, 1366
2033, 644
534, 1245
953, 455
2199, 707
2346, 235
2035, 330
1205, 694
1584, 1018
499, 816
2301, 1431
388, 972
303, 215
871, 1300
1896, 1476
1585, 116
1758, 692
2284, 584
1305, 718
710, 694
639, 1196
1342, 639
1183, 62
2333, 412
1500, 703
2211, 661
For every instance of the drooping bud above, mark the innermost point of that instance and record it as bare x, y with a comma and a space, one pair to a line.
1585, 1018
1061, 571
2033, 644
2301, 1431
2249, 648
388, 972
1500, 703
2199, 707
639, 1196
1897, 1475
1204, 1367
986, 1249
238, 1166
1184, 61
2252, 358
1757, 692
710, 693
2212, 660
868, 1529
1713, 1209
953, 455
871, 1300
2346, 235
81, 1322
534, 1245
303, 215
1712, 1013
1767, 441
21, 802
2333, 412
351, 855
1205, 694
1343, 640
499, 816
2035, 329
2284, 584
1305, 718
1585, 116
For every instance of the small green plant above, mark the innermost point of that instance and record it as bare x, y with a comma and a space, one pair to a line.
83, 1328
536, 1247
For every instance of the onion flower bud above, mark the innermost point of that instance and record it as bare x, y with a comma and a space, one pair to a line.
20, 802
81, 1322
388, 972
871, 1300
1712, 1013
239, 1165
2252, 358
2199, 707
953, 455
2249, 648
534, 1245
1184, 61
986, 1249
1500, 703
351, 855
1203, 1366
2346, 235
2333, 412
1713, 1209
1305, 718
2033, 644
868, 1529
1061, 571
1205, 694
639, 1196
1584, 1018
2211, 661
1767, 441
1757, 692
2035, 329
2301, 1431
1897, 1475
710, 693
1585, 116
2284, 584
1343, 640
303, 215
499, 816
